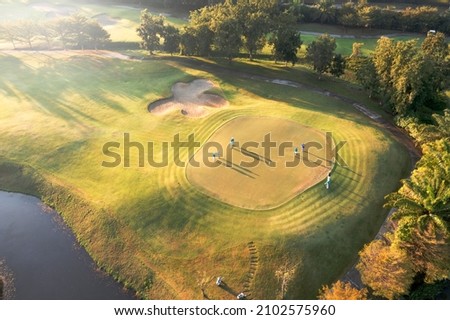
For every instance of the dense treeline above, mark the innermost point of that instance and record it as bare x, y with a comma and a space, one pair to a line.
416, 253
421, 2
408, 78
74, 32
419, 19
412, 260
173, 4
226, 29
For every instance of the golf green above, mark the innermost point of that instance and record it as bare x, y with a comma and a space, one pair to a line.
267, 158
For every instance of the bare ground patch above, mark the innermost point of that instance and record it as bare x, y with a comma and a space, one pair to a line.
190, 98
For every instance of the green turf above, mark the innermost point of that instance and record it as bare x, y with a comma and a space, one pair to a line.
59, 109
336, 29
344, 45
122, 21
248, 170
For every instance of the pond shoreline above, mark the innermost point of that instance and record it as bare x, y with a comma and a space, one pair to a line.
40, 257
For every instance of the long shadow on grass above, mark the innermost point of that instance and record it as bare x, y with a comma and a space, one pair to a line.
253, 155
236, 168
345, 176
256, 79
225, 287
55, 83
329, 162
231, 164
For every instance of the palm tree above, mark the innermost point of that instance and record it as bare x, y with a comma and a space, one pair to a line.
423, 211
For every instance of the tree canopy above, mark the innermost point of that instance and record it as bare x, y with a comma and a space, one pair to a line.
75, 31
342, 291
408, 78
321, 52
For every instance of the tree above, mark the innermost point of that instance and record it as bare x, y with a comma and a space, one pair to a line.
172, 39
200, 30
63, 30
320, 53
419, 19
435, 46
78, 37
382, 60
228, 37
424, 133
327, 11
409, 79
285, 274
150, 31
436, 50
443, 125
348, 16
26, 32
425, 197
255, 23
96, 35
188, 41
285, 39
423, 209
342, 291
8, 32
366, 74
428, 249
46, 30
407, 70
370, 17
356, 50
363, 68
386, 269
337, 65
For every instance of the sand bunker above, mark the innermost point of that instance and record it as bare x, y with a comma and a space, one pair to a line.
190, 99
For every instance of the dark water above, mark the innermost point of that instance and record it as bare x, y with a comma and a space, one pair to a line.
40, 257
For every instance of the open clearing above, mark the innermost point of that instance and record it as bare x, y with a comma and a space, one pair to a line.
250, 176
151, 227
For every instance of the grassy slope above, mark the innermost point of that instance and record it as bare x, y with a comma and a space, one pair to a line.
58, 111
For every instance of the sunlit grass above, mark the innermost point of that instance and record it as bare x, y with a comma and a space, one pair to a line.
59, 109
119, 20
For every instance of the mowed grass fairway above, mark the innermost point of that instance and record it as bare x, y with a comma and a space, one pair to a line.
151, 227
253, 174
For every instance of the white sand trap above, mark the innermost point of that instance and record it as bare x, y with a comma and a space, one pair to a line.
190, 99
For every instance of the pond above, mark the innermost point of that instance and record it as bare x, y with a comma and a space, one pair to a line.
40, 257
